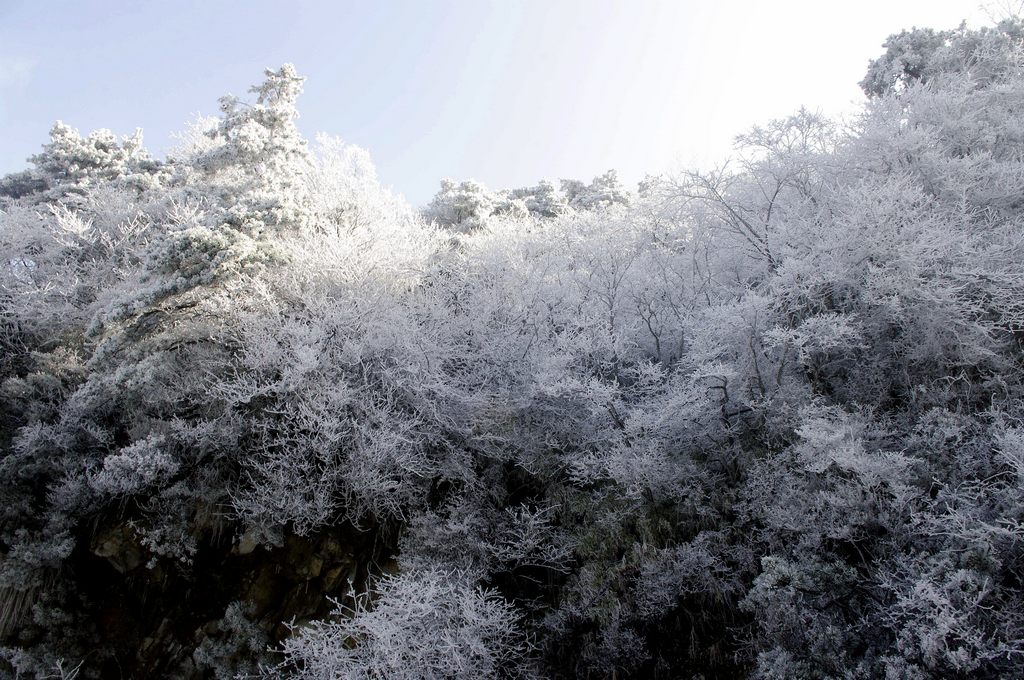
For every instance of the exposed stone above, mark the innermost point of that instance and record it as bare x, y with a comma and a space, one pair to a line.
310, 569
334, 577
246, 544
119, 546
263, 592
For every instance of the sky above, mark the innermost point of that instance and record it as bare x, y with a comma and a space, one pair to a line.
506, 92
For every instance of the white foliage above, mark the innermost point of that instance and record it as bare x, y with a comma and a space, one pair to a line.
135, 468
420, 625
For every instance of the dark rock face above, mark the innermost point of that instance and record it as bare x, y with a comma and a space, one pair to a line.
219, 615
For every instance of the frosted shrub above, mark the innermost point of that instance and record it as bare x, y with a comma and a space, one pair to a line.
420, 625
135, 468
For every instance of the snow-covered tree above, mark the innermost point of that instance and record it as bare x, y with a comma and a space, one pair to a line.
420, 625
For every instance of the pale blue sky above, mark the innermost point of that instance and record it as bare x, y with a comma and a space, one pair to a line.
505, 92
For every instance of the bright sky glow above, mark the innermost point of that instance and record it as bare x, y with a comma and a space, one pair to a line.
504, 92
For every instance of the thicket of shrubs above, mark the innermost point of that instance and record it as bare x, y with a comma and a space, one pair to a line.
763, 421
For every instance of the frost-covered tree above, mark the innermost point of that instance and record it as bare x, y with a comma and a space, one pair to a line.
921, 55
603, 191
420, 625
